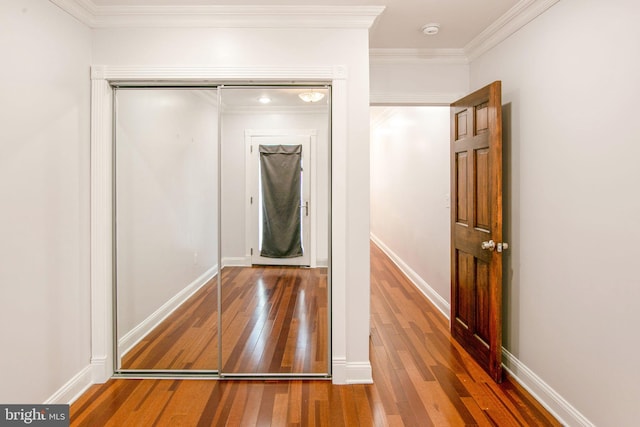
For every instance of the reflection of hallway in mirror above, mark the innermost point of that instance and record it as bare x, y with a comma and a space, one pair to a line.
274, 320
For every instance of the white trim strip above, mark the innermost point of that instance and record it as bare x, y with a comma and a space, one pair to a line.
517, 17
217, 74
417, 56
359, 373
415, 98
239, 261
344, 372
221, 16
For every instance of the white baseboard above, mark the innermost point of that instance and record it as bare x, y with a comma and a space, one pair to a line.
441, 304
542, 392
322, 262
339, 370
101, 369
343, 372
245, 261
68, 393
133, 337
359, 373
239, 261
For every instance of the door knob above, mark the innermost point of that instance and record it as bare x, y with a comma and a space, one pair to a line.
491, 245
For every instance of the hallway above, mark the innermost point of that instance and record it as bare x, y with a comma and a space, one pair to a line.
421, 376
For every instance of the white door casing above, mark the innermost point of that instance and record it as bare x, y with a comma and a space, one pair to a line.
344, 369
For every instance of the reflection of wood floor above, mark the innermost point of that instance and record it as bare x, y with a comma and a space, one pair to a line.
422, 378
274, 319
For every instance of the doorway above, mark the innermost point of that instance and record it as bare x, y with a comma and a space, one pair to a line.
410, 206
279, 177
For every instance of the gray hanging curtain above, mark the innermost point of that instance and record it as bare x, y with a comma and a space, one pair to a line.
280, 171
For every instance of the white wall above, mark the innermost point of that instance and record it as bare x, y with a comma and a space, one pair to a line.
166, 197
418, 82
282, 48
570, 89
410, 216
234, 124
44, 200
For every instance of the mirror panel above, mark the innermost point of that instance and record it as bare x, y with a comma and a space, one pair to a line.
198, 183
275, 173
166, 228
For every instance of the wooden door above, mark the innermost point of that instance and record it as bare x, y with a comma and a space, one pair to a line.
476, 226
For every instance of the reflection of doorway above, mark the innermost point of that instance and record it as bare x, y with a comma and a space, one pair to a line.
257, 144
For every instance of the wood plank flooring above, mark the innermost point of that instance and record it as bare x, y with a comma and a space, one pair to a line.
274, 320
186, 339
422, 378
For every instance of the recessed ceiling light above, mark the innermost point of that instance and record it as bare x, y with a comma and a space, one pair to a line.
264, 99
311, 96
431, 29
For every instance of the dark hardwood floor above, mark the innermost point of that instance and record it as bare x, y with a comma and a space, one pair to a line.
422, 378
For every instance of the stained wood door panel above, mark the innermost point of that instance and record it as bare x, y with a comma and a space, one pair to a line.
461, 124
462, 202
482, 197
464, 304
482, 119
476, 217
482, 295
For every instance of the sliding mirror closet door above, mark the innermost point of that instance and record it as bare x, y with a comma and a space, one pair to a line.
275, 187
166, 229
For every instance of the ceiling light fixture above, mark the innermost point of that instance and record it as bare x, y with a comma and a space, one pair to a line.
311, 96
264, 99
431, 29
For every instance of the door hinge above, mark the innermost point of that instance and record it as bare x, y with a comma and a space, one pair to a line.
251, 251
251, 200
251, 148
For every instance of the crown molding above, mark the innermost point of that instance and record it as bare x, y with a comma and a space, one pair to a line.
417, 56
515, 18
82, 10
221, 16
126, 73
382, 98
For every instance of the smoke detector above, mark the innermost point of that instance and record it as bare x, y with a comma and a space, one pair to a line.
431, 29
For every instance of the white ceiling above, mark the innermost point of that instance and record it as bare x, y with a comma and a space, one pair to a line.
399, 26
